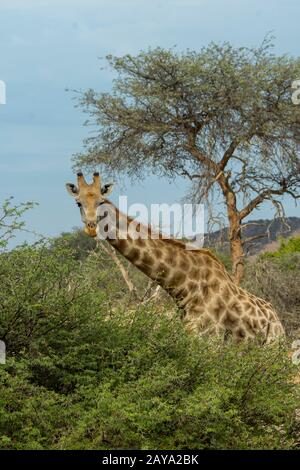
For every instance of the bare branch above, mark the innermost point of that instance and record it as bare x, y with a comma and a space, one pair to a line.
110, 251
267, 194
153, 296
228, 154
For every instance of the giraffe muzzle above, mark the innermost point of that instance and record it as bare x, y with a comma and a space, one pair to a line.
90, 229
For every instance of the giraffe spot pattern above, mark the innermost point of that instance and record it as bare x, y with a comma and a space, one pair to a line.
230, 321
158, 253
162, 271
133, 254
140, 242
218, 309
235, 307
147, 259
215, 286
194, 273
178, 278
184, 265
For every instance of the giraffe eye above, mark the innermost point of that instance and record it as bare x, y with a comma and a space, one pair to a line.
78, 204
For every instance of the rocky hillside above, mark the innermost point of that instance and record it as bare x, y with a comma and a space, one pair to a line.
263, 234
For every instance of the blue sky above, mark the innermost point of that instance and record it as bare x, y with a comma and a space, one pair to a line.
47, 46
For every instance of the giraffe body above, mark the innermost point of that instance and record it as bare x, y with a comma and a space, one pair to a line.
210, 301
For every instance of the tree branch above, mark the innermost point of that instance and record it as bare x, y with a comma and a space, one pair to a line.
110, 251
228, 154
266, 194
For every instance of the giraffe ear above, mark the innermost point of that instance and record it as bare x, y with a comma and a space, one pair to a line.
72, 189
107, 189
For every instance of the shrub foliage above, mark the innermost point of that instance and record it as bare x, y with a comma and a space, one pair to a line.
89, 369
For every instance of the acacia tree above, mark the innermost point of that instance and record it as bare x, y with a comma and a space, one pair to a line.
223, 117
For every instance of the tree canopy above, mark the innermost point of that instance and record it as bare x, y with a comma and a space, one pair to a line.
223, 117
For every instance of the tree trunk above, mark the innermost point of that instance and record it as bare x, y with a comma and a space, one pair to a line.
237, 255
235, 235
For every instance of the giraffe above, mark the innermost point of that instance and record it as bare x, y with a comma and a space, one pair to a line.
210, 301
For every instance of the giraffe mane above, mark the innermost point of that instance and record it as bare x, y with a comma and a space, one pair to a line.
203, 251
174, 241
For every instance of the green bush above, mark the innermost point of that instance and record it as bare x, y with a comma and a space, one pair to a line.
88, 369
275, 277
288, 246
77, 241
94, 376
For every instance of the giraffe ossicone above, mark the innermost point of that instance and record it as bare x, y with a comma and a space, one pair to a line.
198, 282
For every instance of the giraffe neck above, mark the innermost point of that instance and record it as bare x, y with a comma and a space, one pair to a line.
179, 271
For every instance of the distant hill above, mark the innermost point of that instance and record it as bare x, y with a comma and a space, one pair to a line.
268, 231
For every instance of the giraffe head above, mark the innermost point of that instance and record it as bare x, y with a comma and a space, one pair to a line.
88, 198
